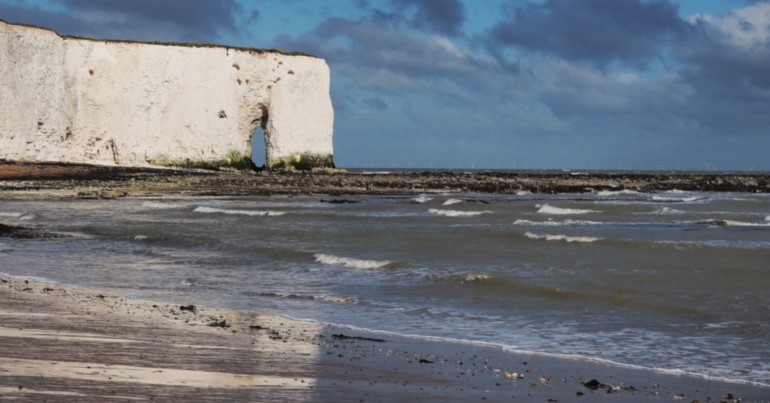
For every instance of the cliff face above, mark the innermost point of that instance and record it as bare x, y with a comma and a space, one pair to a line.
106, 102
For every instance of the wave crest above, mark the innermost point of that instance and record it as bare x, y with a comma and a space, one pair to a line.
610, 193
253, 213
26, 216
665, 199
551, 223
564, 238
422, 199
450, 202
457, 213
352, 263
464, 278
548, 209
667, 210
733, 223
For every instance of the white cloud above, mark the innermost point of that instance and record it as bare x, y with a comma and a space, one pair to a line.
747, 29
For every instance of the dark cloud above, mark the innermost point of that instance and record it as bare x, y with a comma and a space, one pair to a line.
375, 57
729, 57
437, 16
204, 17
168, 20
595, 31
724, 64
444, 17
19, 12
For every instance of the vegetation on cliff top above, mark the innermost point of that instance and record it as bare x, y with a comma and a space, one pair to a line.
161, 43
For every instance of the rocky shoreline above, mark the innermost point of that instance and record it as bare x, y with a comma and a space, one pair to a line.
84, 181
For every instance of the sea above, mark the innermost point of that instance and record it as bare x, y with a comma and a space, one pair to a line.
677, 282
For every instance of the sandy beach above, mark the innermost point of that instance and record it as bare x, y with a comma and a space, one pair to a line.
66, 343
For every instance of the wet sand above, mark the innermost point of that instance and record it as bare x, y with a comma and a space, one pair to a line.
67, 343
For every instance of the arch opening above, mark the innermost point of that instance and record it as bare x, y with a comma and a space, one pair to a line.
258, 150
259, 141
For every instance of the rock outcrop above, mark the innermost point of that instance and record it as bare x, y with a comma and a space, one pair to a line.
80, 100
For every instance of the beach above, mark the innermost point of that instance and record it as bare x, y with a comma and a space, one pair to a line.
67, 343
165, 301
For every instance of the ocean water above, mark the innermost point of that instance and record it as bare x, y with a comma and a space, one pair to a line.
672, 281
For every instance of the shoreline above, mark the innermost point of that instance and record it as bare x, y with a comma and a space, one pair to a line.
50, 180
63, 342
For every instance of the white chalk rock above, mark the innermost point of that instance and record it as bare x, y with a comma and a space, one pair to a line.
66, 99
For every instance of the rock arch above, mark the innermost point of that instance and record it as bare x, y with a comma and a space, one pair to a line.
68, 99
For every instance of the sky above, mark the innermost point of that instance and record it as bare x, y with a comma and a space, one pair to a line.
496, 84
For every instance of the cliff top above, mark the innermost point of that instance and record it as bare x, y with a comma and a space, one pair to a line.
161, 43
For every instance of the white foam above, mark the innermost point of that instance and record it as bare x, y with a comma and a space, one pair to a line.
532, 223
551, 223
352, 263
338, 299
564, 238
609, 193
523, 192
457, 213
732, 223
260, 213
471, 277
162, 205
548, 209
422, 199
452, 201
28, 216
141, 237
676, 199
21, 216
667, 210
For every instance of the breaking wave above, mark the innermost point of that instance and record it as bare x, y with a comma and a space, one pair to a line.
421, 199
609, 193
548, 209
19, 216
452, 201
564, 238
326, 298
733, 223
352, 263
258, 213
463, 277
667, 210
457, 213
551, 223
666, 199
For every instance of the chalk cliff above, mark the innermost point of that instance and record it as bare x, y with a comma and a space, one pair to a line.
69, 99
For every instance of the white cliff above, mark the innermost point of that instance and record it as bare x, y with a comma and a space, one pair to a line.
67, 99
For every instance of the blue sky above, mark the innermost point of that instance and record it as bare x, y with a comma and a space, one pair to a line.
562, 84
